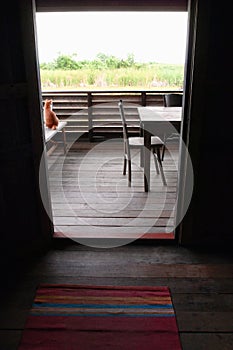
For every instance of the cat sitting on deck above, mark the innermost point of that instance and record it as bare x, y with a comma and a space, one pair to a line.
50, 118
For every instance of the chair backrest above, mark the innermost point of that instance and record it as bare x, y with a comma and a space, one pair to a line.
173, 100
124, 124
125, 130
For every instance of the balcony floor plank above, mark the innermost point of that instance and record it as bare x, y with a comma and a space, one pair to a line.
91, 198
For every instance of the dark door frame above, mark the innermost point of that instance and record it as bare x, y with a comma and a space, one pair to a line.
148, 6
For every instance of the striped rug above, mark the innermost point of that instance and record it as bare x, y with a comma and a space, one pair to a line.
76, 317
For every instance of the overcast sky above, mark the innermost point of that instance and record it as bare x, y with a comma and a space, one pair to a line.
150, 36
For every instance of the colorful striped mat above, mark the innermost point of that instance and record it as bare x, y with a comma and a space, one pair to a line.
76, 317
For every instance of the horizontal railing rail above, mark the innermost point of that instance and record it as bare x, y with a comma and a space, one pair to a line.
95, 113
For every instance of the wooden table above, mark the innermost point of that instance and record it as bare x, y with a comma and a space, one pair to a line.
157, 121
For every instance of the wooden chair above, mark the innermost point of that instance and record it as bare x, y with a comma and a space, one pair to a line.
138, 143
172, 100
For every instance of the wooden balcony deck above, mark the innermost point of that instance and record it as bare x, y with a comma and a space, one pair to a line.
91, 198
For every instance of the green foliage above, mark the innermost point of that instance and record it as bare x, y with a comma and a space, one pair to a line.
107, 71
66, 62
102, 61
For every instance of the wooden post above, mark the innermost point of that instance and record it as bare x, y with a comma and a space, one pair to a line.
90, 124
143, 98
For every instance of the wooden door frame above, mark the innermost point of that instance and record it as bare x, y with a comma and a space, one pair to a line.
129, 6
29, 34
185, 166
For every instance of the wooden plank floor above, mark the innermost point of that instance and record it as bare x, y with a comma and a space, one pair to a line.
201, 285
91, 198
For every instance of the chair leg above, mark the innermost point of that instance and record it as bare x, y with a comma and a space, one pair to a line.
124, 166
129, 173
161, 167
156, 162
163, 151
141, 157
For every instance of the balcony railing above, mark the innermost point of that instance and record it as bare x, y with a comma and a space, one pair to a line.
95, 113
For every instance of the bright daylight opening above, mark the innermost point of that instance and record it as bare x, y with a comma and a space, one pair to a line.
89, 61
143, 50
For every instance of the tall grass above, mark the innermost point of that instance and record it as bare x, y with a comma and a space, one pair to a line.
150, 76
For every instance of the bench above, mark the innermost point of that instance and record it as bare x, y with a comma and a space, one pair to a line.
49, 134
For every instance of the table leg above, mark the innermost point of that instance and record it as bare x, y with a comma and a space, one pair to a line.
147, 156
141, 150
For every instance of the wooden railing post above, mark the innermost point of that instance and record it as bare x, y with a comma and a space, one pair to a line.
90, 124
143, 98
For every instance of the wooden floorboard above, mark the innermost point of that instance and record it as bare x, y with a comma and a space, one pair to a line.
201, 285
91, 198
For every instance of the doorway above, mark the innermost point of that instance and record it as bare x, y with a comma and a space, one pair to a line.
75, 220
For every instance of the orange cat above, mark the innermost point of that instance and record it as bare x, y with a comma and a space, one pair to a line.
50, 117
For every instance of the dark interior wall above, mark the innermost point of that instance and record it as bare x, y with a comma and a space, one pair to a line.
210, 140
23, 220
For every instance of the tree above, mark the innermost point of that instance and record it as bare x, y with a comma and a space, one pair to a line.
66, 62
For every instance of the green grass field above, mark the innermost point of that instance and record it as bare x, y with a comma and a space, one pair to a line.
151, 77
